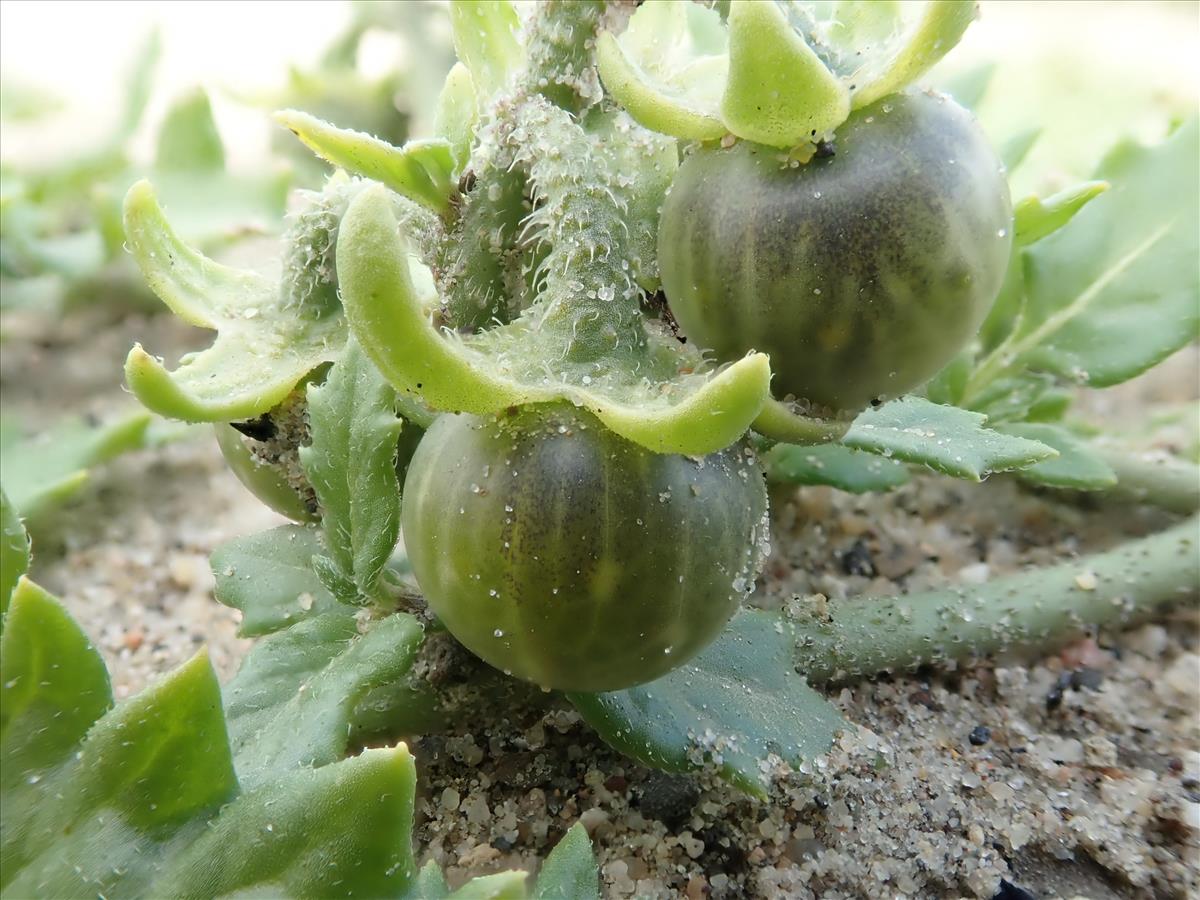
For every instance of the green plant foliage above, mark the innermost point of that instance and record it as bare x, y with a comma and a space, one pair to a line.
486, 40
781, 75
733, 707
944, 438
269, 577
14, 551
1077, 466
44, 470
351, 464
835, 465
251, 315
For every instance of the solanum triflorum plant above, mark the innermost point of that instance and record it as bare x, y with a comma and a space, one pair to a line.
650, 253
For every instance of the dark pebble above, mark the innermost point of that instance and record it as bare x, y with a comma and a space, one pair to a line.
668, 798
1054, 698
980, 735
1009, 891
502, 843
1087, 678
857, 561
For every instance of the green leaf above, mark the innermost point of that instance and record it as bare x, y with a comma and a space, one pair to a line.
420, 170
486, 40
1015, 148
141, 799
14, 552
692, 414
1077, 466
779, 92
263, 346
343, 830
351, 464
834, 465
188, 139
501, 886
1118, 290
1035, 218
969, 86
733, 707
269, 577
291, 703
44, 470
54, 687
944, 438
569, 872
457, 114
430, 884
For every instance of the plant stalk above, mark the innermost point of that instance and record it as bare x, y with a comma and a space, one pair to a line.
1038, 609
1169, 484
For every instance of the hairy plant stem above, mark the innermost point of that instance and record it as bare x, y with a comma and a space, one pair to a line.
1169, 484
1038, 609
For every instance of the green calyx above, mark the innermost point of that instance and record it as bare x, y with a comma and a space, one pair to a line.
785, 74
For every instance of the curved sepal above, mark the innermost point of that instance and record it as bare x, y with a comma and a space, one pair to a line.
262, 349
420, 170
690, 413
940, 27
660, 73
779, 91
779, 74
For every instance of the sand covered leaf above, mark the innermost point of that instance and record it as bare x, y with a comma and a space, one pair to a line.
734, 707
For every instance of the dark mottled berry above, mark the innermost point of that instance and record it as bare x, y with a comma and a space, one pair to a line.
862, 273
669, 798
566, 555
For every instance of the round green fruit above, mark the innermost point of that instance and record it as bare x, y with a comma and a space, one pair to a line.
565, 555
860, 273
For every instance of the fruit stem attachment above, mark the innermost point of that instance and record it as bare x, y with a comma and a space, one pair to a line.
1037, 609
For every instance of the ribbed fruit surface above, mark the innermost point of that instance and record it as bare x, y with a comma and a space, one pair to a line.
862, 273
565, 555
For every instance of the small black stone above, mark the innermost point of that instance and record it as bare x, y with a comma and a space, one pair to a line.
502, 844
1087, 678
980, 735
1054, 698
857, 561
669, 798
1009, 891
260, 429
825, 149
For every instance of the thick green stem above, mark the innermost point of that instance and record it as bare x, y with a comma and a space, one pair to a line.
1166, 483
561, 53
587, 293
1037, 609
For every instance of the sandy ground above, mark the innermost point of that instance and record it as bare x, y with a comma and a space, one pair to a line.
1074, 775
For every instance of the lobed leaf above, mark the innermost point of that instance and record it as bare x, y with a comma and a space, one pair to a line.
1035, 218
269, 577
569, 872
1118, 290
420, 170
944, 438
735, 706
262, 350
694, 414
291, 704
834, 465
188, 139
457, 114
351, 464
44, 470
1077, 466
